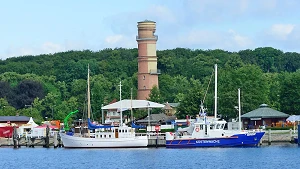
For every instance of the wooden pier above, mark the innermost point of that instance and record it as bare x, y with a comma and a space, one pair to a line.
28, 141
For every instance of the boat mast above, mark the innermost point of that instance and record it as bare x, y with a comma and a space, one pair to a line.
239, 100
216, 88
88, 97
131, 106
121, 123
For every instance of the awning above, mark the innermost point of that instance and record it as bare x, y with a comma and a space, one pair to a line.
135, 104
293, 118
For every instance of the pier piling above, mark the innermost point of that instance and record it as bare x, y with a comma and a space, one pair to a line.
47, 138
269, 137
55, 141
299, 134
15, 138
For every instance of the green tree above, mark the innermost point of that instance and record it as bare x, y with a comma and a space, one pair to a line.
290, 93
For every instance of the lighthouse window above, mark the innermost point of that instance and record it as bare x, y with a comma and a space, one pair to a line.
144, 77
144, 87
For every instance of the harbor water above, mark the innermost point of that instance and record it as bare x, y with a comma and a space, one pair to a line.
275, 156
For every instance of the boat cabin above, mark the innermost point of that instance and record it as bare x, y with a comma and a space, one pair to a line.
114, 132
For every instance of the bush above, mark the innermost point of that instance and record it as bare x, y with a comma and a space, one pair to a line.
279, 128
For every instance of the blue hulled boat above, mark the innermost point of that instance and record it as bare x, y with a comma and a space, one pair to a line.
210, 131
206, 133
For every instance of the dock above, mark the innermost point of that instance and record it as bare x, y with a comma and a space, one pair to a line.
154, 140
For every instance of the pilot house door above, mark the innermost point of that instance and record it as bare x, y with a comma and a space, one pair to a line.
116, 133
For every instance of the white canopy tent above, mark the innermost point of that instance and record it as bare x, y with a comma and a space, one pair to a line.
23, 129
294, 119
32, 123
134, 104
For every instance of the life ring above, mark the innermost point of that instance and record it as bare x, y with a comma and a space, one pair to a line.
197, 129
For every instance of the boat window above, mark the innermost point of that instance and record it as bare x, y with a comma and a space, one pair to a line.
122, 131
109, 136
222, 126
201, 127
119, 131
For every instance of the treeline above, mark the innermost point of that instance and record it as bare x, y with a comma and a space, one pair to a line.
55, 84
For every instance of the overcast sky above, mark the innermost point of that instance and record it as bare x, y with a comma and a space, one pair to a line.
32, 27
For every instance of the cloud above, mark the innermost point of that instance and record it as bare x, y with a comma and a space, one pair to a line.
113, 39
280, 31
123, 41
282, 36
49, 47
160, 12
44, 48
208, 39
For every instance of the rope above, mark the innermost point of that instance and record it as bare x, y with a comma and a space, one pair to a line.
208, 85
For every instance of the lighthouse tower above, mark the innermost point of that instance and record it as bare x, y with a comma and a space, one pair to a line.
147, 59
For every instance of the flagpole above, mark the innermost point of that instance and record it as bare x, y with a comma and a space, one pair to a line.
121, 123
131, 107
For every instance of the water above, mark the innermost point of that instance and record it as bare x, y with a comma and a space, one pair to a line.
274, 156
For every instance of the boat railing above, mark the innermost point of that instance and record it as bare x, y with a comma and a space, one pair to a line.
152, 135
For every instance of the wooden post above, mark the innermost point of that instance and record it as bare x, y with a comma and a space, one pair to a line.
47, 137
298, 134
31, 142
59, 140
269, 137
15, 137
291, 135
55, 141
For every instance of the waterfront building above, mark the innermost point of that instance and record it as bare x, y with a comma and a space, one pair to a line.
264, 116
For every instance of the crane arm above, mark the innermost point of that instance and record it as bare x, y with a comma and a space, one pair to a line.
66, 125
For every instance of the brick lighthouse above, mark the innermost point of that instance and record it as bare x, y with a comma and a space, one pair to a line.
147, 59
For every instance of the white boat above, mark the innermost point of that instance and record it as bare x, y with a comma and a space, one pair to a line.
104, 136
108, 138
210, 132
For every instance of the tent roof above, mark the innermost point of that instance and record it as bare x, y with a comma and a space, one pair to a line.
264, 111
46, 125
135, 104
293, 118
32, 123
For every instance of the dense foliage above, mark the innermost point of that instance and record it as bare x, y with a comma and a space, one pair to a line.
53, 85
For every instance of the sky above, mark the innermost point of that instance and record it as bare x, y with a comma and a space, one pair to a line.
33, 27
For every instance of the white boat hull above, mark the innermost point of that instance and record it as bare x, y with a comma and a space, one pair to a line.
83, 142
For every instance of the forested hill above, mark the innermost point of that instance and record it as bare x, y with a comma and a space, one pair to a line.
55, 84
70, 65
